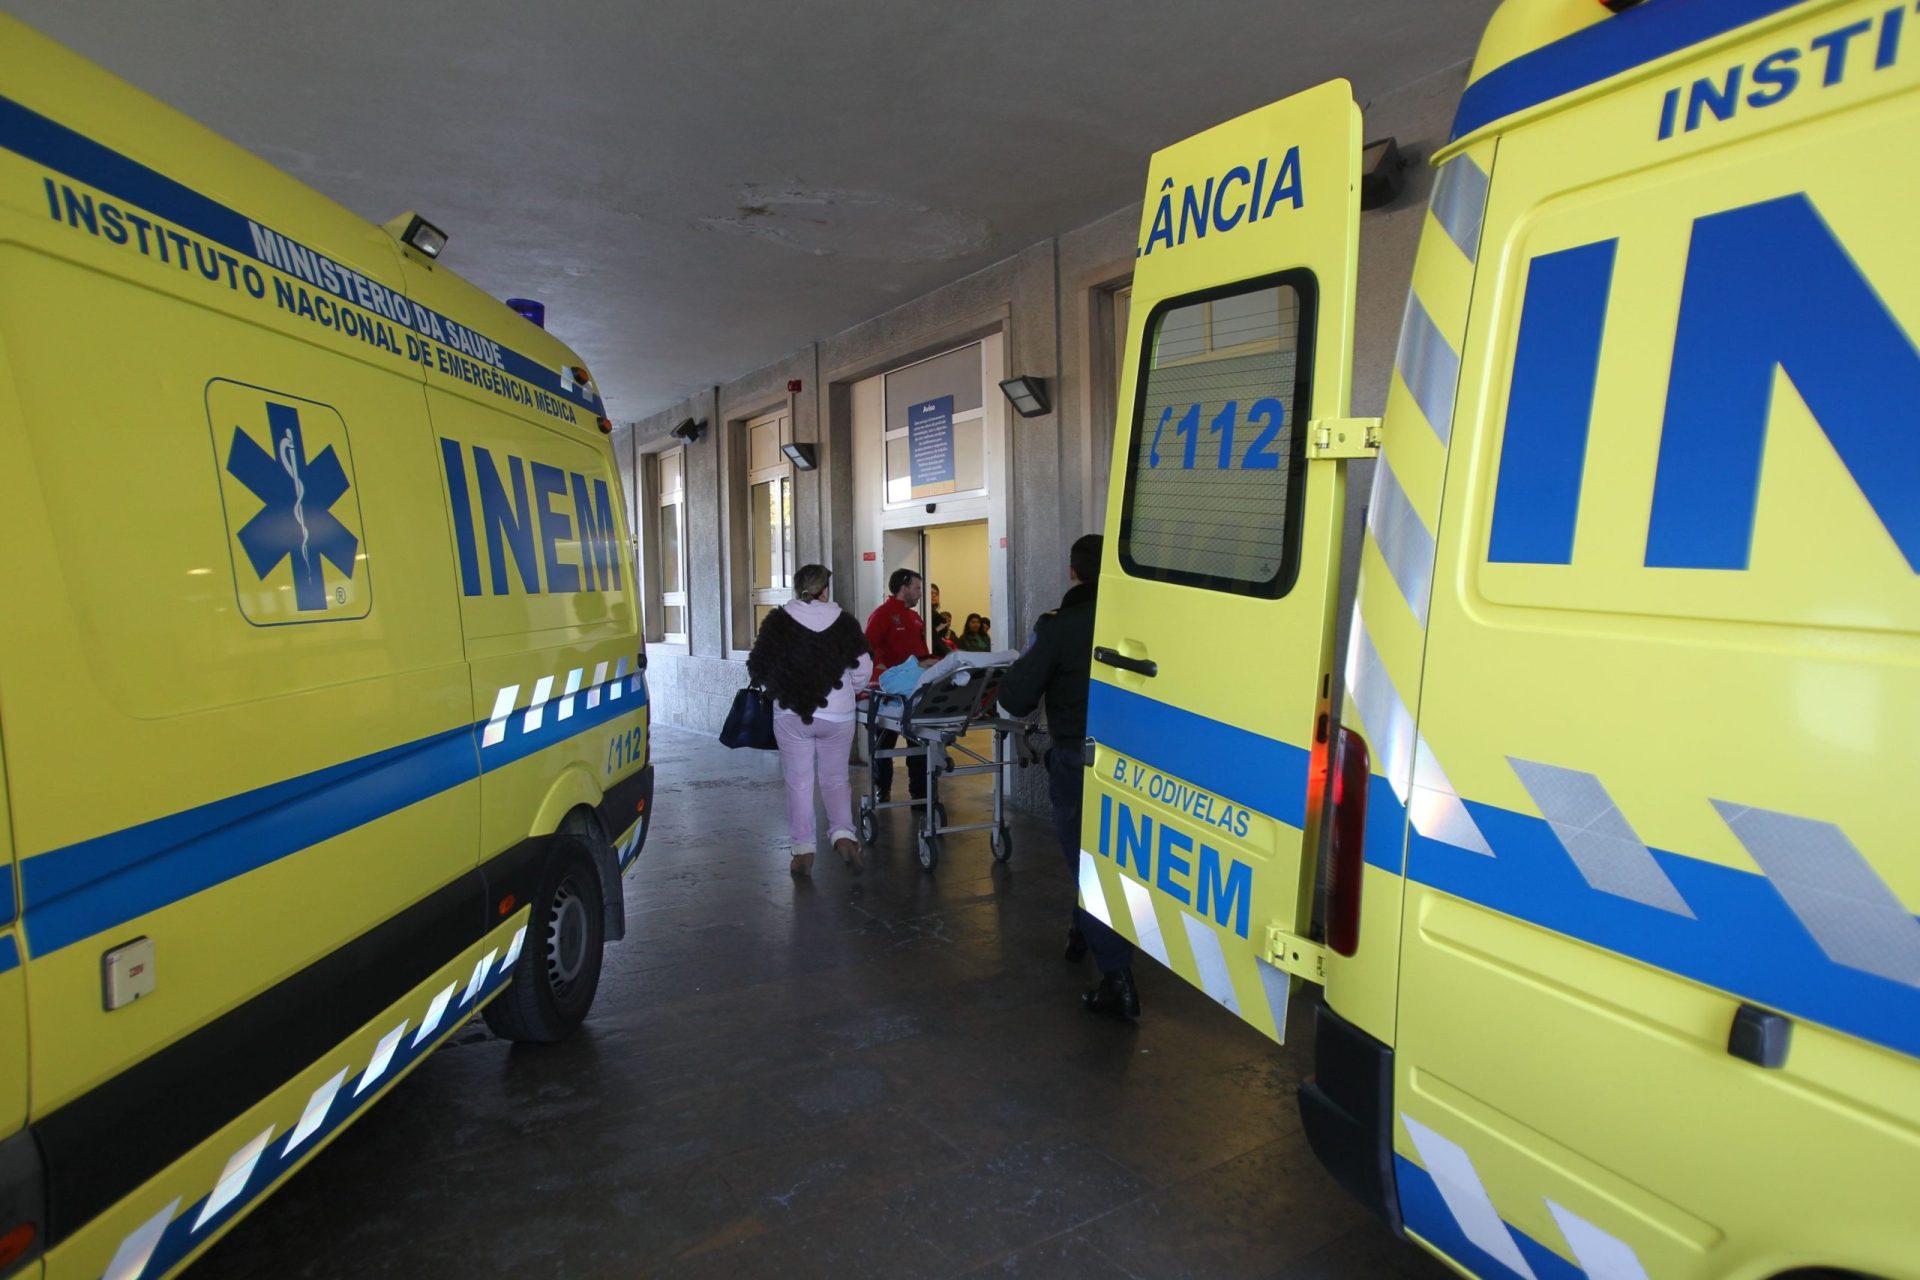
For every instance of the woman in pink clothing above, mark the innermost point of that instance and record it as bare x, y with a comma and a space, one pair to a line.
811, 656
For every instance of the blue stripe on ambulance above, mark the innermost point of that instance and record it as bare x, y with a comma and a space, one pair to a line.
1599, 52
77, 891
1425, 1212
9, 953
51, 144
6, 896
1252, 770
1742, 937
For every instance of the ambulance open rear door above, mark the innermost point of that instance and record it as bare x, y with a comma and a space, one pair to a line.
1213, 642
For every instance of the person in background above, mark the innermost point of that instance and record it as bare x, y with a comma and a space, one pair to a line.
975, 638
943, 638
1058, 668
811, 656
896, 634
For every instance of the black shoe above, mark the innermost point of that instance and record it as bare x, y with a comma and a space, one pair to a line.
1114, 997
1076, 946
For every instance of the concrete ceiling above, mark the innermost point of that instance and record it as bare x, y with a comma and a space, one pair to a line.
699, 187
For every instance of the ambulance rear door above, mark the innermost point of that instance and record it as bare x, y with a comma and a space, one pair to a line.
1213, 638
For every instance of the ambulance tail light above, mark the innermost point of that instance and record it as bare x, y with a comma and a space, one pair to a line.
1347, 840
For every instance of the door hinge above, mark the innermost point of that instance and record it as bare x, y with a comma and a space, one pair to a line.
1301, 957
1343, 438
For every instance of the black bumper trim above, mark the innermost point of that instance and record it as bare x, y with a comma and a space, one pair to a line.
1347, 1112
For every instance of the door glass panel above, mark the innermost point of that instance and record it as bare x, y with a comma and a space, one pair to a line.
1213, 482
670, 548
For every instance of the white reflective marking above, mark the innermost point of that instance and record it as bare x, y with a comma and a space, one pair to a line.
599, 678
316, 1113
1429, 366
1211, 961
1146, 924
382, 1057
634, 685
502, 708
1404, 540
1460, 201
131, 1258
513, 951
233, 1179
1093, 897
1451, 1169
566, 702
1600, 1255
1435, 807
1278, 985
1851, 912
1384, 716
619, 678
537, 709
479, 975
1609, 854
435, 1011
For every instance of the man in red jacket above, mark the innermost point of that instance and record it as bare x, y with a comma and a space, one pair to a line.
896, 634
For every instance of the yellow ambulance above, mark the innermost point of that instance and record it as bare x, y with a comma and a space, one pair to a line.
321, 691
1617, 758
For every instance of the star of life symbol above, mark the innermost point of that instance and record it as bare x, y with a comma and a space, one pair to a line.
296, 521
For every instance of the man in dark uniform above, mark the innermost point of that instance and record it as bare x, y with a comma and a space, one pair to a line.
1057, 668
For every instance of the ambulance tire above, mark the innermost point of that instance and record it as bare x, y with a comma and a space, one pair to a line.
558, 971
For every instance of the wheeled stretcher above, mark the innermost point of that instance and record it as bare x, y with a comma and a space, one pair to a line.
955, 696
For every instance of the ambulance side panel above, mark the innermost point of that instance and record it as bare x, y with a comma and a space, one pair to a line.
1672, 673
238, 719
546, 589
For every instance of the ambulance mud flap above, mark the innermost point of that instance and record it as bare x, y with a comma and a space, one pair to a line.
1347, 1112
629, 803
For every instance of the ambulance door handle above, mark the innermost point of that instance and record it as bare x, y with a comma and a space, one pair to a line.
1114, 658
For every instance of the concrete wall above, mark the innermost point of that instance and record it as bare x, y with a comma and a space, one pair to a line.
1049, 301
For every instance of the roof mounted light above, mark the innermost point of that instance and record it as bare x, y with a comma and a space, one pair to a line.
528, 309
421, 236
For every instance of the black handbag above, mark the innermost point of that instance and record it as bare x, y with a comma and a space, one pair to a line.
750, 722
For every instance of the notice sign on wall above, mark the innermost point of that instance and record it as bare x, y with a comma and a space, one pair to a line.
930, 446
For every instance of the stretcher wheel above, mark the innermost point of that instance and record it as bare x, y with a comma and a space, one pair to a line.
929, 851
868, 829
939, 815
1002, 838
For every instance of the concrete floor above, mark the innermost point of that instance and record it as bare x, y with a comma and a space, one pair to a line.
885, 1076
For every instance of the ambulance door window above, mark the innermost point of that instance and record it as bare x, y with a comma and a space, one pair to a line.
1212, 495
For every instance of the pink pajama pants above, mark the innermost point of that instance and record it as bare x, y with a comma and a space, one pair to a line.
806, 749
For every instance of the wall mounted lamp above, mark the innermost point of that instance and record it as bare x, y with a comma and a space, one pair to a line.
804, 457
689, 430
1029, 395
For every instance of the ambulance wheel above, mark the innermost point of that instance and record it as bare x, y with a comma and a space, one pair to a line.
558, 971
1002, 839
929, 851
